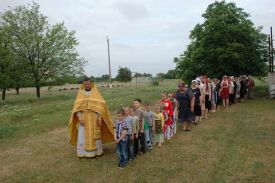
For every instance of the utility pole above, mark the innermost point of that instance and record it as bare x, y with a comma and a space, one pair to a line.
109, 61
269, 53
272, 54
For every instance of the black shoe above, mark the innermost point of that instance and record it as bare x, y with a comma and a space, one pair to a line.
120, 166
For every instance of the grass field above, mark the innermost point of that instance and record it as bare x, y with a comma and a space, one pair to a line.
234, 145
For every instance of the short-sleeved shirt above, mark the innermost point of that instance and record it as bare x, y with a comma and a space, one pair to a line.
202, 86
120, 126
208, 89
140, 114
243, 86
196, 91
129, 122
168, 106
135, 124
149, 117
218, 87
251, 84
159, 122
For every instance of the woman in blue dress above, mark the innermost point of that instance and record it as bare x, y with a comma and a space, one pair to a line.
186, 101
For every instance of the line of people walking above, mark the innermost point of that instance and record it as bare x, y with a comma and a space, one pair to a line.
138, 130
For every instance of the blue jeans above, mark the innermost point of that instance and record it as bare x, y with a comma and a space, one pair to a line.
121, 150
130, 146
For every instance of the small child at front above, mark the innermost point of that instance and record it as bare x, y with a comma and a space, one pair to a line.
159, 124
121, 139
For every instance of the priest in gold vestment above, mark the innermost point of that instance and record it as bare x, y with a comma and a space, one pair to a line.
90, 124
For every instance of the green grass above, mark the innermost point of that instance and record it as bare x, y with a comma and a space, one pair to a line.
23, 115
234, 145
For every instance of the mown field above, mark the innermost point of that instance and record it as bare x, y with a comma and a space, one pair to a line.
234, 145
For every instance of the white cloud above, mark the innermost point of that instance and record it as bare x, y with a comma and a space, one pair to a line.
132, 10
145, 35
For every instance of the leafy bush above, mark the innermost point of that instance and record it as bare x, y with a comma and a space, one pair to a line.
155, 82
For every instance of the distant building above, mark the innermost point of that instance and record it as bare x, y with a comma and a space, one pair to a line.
141, 80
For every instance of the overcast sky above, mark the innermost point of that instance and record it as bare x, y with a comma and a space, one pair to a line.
145, 35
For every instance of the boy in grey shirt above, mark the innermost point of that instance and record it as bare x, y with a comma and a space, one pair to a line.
149, 126
130, 135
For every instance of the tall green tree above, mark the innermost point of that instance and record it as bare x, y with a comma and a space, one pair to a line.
18, 74
45, 50
105, 77
147, 75
160, 76
227, 42
137, 74
124, 74
9, 68
171, 74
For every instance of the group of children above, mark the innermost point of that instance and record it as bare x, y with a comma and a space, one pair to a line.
137, 130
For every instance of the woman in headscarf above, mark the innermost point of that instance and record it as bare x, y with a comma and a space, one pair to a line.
197, 107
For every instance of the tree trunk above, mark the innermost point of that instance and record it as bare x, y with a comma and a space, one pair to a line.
17, 90
4, 94
37, 86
